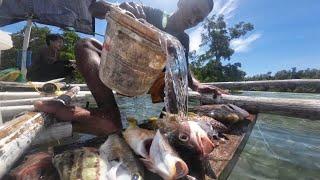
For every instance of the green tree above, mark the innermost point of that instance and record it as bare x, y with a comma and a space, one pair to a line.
216, 42
37, 40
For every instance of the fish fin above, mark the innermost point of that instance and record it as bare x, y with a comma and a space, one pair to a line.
149, 164
132, 122
112, 173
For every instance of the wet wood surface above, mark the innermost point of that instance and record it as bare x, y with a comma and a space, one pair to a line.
225, 156
16, 137
299, 108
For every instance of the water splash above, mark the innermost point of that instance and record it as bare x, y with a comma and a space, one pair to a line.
176, 78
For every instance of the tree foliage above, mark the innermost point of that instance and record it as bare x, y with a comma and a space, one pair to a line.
288, 74
37, 41
216, 41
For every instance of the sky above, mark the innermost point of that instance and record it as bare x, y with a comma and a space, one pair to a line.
286, 34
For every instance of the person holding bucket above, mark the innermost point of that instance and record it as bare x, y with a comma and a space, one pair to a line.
106, 118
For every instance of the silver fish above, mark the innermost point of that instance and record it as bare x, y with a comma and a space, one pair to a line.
119, 160
139, 139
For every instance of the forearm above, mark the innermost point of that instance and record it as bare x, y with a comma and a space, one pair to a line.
192, 81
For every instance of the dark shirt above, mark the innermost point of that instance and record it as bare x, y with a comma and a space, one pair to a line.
47, 66
156, 17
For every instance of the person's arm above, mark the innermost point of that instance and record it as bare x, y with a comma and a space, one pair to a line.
193, 83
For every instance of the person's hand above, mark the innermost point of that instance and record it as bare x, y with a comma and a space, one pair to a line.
206, 89
134, 8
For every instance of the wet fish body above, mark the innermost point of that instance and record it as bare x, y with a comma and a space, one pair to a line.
139, 140
226, 113
81, 163
164, 161
119, 159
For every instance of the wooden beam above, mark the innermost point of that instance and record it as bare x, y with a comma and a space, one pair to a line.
9, 112
307, 109
248, 85
29, 95
17, 135
15, 86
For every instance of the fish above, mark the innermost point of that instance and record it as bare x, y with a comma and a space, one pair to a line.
119, 159
225, 113
216, 125
163, 160
183, 135
83, 163
36, 166
138, 139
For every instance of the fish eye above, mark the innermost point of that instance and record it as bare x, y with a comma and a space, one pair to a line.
135, 177
183, 137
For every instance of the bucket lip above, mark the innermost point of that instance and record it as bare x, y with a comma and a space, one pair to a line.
146, 31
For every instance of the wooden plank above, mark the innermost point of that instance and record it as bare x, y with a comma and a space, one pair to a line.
23, 87
225, 156
29, 95
300, 108
17, 135
249, 85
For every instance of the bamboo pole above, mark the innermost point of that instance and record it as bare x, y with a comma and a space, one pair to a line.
28, 95
79, 99
246, 85
17, 135
20, 102
9, 112
308, 109
15, 86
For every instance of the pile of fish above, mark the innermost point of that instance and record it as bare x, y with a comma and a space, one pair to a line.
160, 148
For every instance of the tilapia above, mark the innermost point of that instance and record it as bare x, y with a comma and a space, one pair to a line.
163, 160
138, 139
120, 161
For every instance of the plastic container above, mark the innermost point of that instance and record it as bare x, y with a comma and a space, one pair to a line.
132, 56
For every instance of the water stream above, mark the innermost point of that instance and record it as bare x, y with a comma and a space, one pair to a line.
176, 79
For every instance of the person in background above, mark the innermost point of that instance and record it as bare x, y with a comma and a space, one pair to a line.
46, 64
106, 118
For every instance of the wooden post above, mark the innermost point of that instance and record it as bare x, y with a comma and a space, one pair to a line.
308, 109
25, 48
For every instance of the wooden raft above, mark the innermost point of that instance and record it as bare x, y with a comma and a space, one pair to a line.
225, 156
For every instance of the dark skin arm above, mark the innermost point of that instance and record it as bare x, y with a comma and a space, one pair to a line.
100, 8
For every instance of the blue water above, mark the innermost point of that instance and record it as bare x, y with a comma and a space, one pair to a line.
281, 147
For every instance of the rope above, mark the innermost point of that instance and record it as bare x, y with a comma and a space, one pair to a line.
58, 92
266, 143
